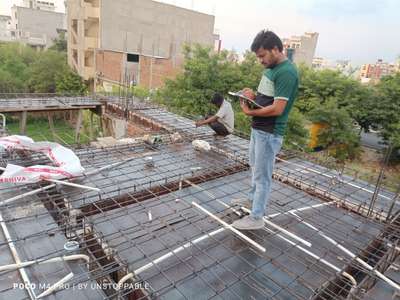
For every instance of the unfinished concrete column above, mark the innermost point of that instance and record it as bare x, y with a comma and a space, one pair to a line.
91, 133
101, 119
78, 126
51, 125
22, 122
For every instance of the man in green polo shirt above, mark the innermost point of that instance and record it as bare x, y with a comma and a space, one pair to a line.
276, 92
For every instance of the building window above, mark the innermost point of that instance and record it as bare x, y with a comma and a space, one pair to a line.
132, 58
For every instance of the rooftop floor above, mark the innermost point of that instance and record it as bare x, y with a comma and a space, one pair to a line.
146, 222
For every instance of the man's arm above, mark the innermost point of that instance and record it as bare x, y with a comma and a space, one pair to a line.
206, 121
284, 85
275, 109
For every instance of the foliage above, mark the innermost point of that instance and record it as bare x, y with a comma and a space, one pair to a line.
8, 83
319, 87
60, 43
339, 137
44, 71
22, 69
68, 82
297, 134
140, 92
14, 62
387, 112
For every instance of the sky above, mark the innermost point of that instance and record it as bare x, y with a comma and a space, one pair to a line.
359, 30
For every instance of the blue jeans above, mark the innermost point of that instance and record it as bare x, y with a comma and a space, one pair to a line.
264, 147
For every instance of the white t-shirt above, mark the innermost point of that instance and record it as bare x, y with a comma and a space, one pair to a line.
225, 116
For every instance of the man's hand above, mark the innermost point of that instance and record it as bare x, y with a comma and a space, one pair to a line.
198, 123
245, 106
247, 92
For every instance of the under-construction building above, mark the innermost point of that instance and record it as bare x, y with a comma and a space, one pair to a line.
150, 219
132, 41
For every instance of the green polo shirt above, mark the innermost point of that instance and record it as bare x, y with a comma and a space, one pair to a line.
280, 82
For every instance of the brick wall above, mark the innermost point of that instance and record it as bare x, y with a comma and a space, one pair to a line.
108, 64
152, 74
160, 70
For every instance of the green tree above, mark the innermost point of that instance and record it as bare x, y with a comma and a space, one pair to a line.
339, 136
44, 71
68, 82
297, 134
387, 107
319, 87
14, 62
205, 72
9, 83
60, 43
250, 71
23, 69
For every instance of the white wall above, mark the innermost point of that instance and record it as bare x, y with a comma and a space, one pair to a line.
139, 26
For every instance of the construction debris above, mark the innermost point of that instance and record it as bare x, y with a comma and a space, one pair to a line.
152, 139
66, 162
201, 145
176, 137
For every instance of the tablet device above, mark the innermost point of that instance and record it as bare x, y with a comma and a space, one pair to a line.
240, 95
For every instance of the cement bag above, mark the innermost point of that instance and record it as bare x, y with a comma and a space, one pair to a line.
67, 164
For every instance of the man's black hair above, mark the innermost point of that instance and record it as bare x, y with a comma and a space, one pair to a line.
217, 99
267, 40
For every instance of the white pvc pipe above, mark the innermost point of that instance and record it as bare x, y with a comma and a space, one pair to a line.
308, 244
44, 261
177, 250
352, 255
167, 255
208, 235
213, 197
197, 240
397, 248
74, 185
230, 227
68, 183
300, 209
283, 230
55, 286
31, 193
318, 258
14, 253
123, 279
116, 164
329, 176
